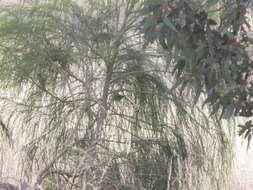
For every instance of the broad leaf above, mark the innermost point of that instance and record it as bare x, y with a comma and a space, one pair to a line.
168, 23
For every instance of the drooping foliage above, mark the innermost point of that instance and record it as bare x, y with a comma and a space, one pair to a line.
211, 45
96, 108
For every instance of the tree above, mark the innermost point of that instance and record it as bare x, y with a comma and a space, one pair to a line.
212, 56
97, 108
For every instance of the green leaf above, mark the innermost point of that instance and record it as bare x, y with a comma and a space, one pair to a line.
228, 112
212, 98
150, 6
197, 93
215, 109
148, 23
249, 140
211, 3
178, 82
179, 66
168, 23
211, 22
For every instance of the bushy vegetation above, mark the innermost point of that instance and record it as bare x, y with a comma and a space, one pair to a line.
94, 102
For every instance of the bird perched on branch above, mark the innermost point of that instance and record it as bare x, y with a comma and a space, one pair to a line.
117, 97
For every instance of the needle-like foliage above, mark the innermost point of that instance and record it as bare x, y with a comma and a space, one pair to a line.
96, 108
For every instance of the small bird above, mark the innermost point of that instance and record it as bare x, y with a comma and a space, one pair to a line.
117, 97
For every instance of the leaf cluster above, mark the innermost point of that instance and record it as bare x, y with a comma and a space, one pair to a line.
210, 42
